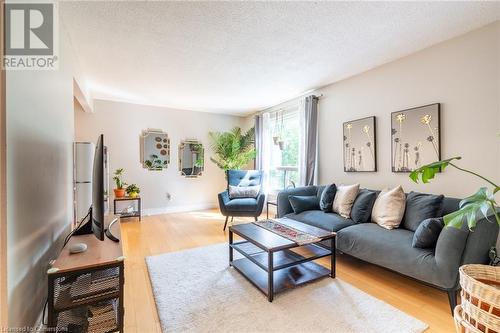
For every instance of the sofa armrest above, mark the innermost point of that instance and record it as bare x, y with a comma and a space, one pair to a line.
480, 242
284, 206
261, 198
456, 247
449, 250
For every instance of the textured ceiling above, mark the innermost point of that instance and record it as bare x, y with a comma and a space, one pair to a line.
235, 57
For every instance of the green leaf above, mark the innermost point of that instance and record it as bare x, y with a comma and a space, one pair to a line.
427, 172
480, 202
496, 190
232, 150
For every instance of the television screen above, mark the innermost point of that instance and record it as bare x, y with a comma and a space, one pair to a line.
98, 190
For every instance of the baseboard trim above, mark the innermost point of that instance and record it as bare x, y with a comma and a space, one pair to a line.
177, 209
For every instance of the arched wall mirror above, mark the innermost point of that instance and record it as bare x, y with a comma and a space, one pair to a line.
155, 149
191, 158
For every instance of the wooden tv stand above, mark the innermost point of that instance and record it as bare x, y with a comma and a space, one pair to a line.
85, 290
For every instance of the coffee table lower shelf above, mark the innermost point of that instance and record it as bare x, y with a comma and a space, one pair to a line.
284, 279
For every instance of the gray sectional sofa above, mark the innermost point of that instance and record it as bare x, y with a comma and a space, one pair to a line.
393, 249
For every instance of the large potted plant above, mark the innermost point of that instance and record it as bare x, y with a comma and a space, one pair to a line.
479, 310
119, 190
234, 149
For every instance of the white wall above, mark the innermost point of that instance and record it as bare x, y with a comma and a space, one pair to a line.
462, 74
122, 124
39, 178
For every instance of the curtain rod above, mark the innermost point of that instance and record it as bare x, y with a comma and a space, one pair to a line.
275, 108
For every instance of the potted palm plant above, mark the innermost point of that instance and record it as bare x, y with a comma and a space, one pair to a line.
119, 190
233, 149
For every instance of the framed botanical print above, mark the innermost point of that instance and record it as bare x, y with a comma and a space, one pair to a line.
415, 137
359, 145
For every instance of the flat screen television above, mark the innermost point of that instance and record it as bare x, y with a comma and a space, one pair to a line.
96, 223
97, 217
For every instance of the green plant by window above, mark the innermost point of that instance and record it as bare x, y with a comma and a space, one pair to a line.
234, 149
118, 178
482, 202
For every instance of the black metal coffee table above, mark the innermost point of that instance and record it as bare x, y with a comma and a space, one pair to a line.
273, 263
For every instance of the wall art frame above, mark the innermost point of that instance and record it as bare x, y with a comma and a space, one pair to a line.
415, 137
359, 145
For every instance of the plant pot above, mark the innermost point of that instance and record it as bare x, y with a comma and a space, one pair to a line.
281, 144
119, 192
133, 194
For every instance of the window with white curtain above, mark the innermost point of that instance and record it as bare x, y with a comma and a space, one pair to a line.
282, 141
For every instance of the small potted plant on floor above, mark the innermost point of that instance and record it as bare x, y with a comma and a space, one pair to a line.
119, 190
133, 190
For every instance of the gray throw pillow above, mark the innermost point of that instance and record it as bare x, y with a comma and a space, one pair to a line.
421, 206
327, 196
301, 203
361, 211
243, 191
427, 233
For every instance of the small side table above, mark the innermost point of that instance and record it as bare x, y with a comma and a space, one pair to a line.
135, 213
272, 203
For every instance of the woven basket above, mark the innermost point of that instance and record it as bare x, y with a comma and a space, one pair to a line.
462, 325
480, 298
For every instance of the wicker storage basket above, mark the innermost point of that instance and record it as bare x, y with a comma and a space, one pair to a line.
462, 325
480, 298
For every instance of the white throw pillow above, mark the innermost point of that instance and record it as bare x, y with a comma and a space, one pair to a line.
243, 191
389, 208
344, 199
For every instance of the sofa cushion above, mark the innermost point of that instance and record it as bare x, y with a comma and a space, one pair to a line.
302, 203
242, 205
320, 219
389, 208
389, 248
427, 233
362, 208
327, 196
421, 206
344, 198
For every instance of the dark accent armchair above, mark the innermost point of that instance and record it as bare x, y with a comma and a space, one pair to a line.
242, 206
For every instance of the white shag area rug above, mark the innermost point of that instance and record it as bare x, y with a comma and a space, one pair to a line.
197, 291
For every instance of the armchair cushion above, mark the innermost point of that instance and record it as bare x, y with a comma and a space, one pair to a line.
243, 191
244, 177
242, 205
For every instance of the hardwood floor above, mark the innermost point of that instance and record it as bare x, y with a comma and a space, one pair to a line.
174, 232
